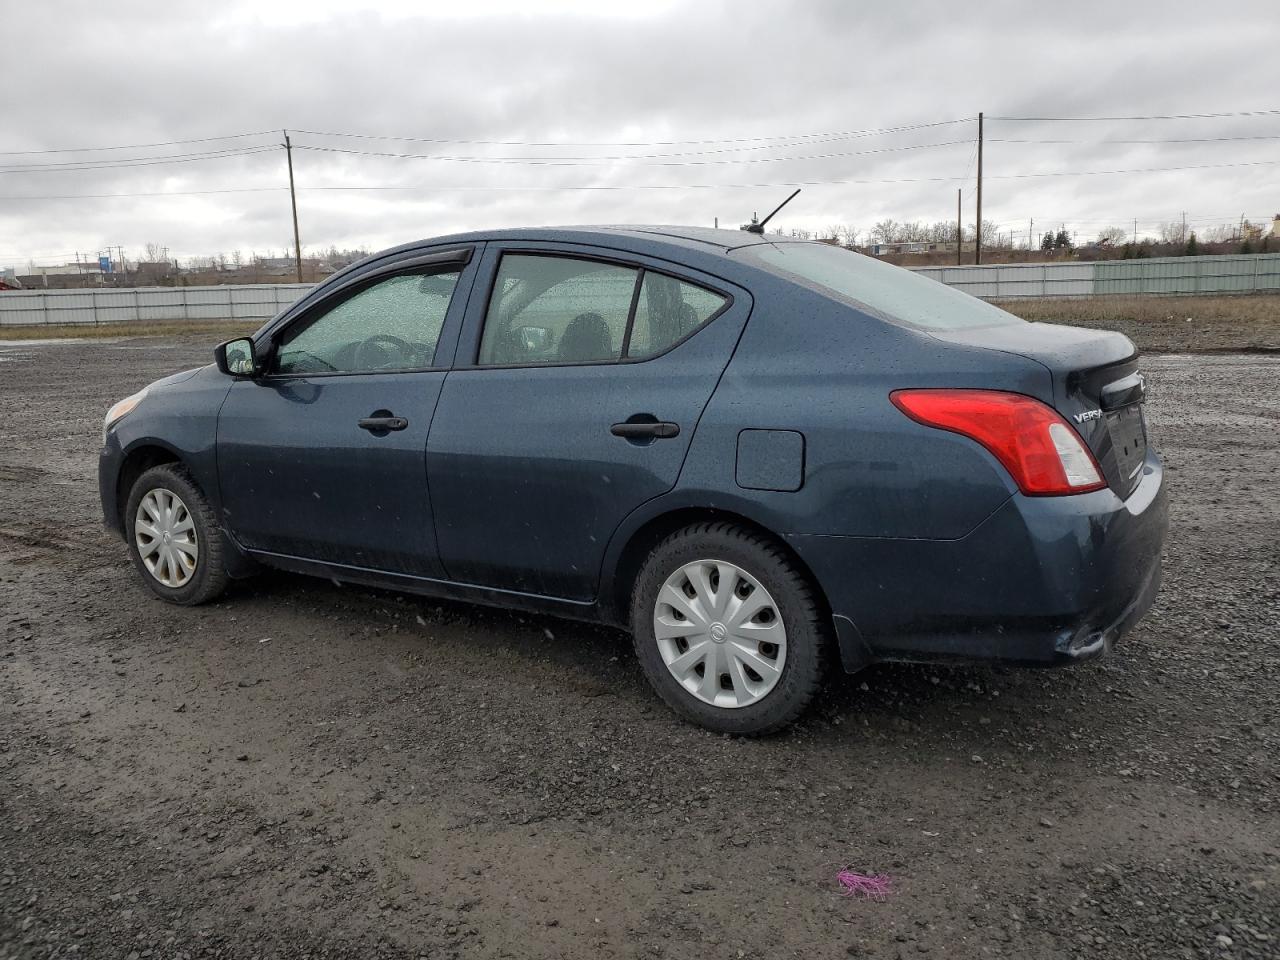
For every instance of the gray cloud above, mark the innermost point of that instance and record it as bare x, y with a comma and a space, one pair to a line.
148, 72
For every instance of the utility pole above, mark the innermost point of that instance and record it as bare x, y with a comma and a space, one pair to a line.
1135, 229
977, 230
1031, 229
1184, 225
293, 199
959, 228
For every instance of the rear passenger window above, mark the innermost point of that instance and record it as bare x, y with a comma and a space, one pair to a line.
557, 310
667, 312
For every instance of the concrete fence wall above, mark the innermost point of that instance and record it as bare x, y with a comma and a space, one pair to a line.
1253, 273
1249, 273
257, 301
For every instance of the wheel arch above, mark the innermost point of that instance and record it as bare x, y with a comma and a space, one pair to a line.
146, 453
631, 547
137, 460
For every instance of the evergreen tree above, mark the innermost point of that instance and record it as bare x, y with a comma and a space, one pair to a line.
1192, 247
1062, 240
1246, 247
1046, 242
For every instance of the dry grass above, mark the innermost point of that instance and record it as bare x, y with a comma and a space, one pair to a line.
1169, 324
225, 329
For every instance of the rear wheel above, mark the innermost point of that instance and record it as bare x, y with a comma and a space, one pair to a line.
727, 630
173, 537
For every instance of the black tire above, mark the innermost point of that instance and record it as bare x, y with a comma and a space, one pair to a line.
209, 578
807, 631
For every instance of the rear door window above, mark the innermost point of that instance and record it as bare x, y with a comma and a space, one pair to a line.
548, 309
553, 309
667, 311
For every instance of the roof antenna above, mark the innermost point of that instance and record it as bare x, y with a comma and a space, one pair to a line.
754, 227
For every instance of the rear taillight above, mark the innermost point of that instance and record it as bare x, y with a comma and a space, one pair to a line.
1037, 446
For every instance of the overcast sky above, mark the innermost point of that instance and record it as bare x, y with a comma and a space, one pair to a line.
714, 109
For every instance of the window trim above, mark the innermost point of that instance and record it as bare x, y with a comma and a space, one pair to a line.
640, 268
424, 266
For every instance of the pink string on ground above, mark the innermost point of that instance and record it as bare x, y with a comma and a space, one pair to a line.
873, 887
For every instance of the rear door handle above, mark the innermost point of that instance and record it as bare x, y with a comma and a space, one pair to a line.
661, 430
381, 424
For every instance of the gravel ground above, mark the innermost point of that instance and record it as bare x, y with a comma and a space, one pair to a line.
308, 770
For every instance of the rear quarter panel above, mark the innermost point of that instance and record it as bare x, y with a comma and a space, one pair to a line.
808, 364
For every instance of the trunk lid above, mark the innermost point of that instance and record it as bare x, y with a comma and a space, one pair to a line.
1096, 387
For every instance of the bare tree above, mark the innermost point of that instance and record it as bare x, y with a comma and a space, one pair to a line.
155, 252
912, 232
1111, 235
236, 259
848, 235
1174, 231
885, 231
942, 231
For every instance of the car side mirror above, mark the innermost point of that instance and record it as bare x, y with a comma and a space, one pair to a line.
237, 358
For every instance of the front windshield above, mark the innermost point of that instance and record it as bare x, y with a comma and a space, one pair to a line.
879, 287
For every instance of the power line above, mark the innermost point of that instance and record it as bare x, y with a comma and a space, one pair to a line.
610, 161
1121, 221
437, 188
75, 166
634, 156
1102, 173
164, 193
765, 139
841, 134
1270, 136
134, 146
1171, 116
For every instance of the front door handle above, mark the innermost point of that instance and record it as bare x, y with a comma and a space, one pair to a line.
660, 430
382, 424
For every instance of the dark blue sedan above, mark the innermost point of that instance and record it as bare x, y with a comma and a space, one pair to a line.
757, 455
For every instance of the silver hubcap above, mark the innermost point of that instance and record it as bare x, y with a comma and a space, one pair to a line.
165, 534
720, 633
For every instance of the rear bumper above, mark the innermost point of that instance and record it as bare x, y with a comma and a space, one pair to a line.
1042, 581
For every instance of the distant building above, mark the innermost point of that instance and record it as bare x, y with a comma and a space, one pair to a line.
83, 269
910, 246
149, 271
87, 270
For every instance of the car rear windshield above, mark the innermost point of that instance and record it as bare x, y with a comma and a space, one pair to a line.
882, 288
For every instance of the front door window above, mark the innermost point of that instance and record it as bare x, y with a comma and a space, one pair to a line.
391, 325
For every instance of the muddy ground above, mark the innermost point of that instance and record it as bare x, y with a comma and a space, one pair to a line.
308, 770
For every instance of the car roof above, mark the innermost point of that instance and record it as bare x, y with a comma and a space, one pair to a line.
701, 238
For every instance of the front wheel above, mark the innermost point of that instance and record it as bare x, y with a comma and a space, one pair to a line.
727, 630
173, 537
